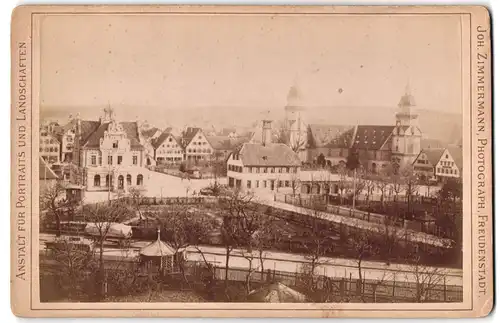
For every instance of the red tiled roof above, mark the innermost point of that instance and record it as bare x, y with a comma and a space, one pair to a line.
268, 155
371, 137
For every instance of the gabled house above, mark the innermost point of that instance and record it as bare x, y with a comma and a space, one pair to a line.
436, 164
264, 165
111, 154
225, 145
195, 144
167, 148
50, 146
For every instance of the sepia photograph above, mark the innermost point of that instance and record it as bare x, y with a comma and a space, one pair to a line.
253, 157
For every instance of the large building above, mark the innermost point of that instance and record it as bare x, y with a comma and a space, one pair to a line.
110, 154
376, 145
263, 165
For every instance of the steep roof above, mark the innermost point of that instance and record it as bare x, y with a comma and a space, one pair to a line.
164, 135
321, 135
46, 173
189, 134
268, 155
87, 128
148, 133
433, 155
371, 137
225, 143
130, 128
457, 154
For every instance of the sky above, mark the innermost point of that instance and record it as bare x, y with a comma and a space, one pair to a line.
189, 61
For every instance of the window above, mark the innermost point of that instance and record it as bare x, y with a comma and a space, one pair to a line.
279, 169
257, 170
93, 159
97, 180
134, 160
265, 169
249, 184
170, 139
108, 181
139, 179
249, 169
265, 183
115, 144
272, 169
110, 160
280, 183
56, 149
257, 184
120, 158
287, 184
287, 170
446, 156
41, 149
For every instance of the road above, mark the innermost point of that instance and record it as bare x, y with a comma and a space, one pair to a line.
292, 263
161, 185
412, 236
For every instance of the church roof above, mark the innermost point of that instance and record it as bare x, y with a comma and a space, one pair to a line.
333, 136
371, 137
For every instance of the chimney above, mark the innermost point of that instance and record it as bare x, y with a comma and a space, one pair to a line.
266, 132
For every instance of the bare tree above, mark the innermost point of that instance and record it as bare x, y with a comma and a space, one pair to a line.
240, 221
183, 229
73, 261
102, 217
426, 279
364, 244
54, 201
295, 182
410, 181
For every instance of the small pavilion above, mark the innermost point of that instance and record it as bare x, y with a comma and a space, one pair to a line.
159, 256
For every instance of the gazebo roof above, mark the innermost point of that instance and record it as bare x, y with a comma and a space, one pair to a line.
157, 248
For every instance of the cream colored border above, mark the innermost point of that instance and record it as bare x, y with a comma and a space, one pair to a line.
24, 297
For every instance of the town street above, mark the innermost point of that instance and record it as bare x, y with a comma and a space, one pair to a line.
293, 263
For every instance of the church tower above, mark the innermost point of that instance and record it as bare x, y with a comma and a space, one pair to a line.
406, 133
295, 127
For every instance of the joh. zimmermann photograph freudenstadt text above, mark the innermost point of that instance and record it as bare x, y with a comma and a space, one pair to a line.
259, 163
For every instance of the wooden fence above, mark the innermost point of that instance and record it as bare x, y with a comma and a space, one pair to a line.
348, 288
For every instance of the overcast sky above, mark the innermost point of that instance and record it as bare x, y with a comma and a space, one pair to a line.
252, 61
